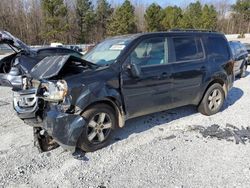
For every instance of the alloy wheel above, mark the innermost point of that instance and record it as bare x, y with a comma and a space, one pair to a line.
215, 99
99, 128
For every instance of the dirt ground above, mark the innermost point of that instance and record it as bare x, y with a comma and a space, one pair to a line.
175, 148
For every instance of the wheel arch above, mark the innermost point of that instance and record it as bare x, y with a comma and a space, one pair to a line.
215, 81
115, 104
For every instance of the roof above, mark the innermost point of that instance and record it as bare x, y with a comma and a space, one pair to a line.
179, 31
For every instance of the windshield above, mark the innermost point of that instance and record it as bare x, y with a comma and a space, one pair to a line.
107, 51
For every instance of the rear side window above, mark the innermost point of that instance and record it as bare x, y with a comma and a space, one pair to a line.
217, 47
187, 48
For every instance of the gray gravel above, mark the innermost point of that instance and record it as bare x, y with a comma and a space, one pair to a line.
175, 148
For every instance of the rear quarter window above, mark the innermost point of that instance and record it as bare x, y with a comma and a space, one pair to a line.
217, 47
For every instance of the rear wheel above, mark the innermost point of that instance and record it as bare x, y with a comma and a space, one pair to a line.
212, 100
100, 123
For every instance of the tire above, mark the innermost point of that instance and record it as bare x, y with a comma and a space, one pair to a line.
243, 71
95, 135
212, 100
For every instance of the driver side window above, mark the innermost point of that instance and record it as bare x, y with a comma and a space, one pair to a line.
150, 52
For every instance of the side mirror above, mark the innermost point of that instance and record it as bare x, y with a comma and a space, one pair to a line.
135, 70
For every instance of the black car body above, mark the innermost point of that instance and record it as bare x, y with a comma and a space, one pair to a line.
240, 56
78, 103
14, 66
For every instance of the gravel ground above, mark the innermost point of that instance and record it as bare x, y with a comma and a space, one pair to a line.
175, 148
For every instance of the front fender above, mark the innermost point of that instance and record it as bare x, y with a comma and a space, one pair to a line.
99, 93
83, 97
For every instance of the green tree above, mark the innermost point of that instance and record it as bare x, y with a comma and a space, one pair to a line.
192, 16
242, 15
103, 14
123, 20
55, 13
85, 17
172, 17
153, 17
243, 7
209, 17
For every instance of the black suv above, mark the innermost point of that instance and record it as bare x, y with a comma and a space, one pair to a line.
240, 55
78, 103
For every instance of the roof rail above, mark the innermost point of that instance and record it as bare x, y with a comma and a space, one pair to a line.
193, 30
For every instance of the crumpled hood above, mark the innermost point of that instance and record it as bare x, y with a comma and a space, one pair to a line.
7, 38
51, 66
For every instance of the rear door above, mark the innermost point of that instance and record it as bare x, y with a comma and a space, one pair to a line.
151, 92
189, 68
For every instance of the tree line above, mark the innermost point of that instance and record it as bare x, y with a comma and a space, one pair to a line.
87, 21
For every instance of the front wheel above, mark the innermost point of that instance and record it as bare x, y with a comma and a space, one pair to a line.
212, 100
100, 123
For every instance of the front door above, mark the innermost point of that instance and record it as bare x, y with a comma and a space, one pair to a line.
151, 91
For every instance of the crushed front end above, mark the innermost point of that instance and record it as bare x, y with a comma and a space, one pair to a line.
55, 121
45, 102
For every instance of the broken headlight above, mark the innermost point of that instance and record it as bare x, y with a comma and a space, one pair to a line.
53, 91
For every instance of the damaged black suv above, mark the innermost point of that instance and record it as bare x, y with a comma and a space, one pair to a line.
77, 103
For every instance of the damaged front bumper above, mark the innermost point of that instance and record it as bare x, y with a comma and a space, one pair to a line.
53, 126
64, 128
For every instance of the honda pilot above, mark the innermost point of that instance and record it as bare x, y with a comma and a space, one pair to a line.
78, 103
